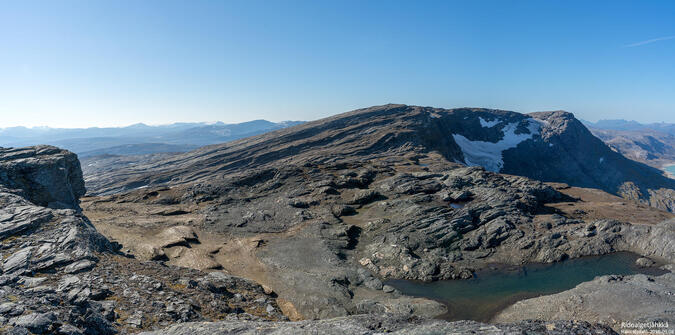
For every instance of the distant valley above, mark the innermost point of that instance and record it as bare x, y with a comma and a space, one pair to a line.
652, 144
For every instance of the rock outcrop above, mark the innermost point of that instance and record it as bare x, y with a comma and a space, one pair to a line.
45, 175
569, 153
58, 275
604, 300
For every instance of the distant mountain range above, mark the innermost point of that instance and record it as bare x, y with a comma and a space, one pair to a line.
138, 138
625, 125
653, 144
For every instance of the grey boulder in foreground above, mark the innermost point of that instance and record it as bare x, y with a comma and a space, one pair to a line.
46, 176
379, 324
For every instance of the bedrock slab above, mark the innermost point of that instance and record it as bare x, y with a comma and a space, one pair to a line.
609, 300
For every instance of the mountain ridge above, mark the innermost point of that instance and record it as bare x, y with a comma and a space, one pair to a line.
631, 125
547, 146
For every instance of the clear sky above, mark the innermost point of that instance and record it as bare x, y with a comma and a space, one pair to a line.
101, 63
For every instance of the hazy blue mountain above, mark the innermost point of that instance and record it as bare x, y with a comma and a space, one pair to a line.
625, 125
137, 138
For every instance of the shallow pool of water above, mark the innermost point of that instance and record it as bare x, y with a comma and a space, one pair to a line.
671, 169
482, 297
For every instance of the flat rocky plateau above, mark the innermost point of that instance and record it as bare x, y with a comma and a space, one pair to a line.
304, 224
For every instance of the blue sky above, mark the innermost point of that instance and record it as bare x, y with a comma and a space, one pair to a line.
102, 63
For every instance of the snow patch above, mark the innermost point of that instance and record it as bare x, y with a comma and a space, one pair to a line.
488, 124
489, 154
543, 122
602, 159
434, 115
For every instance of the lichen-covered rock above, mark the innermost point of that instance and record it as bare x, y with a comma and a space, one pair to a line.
644, 262
38, 323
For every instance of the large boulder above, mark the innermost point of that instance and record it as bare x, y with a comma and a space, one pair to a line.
47, 176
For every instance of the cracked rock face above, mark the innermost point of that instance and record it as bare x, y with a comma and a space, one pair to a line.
46, 176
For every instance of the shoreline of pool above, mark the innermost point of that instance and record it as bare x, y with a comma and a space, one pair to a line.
669, 173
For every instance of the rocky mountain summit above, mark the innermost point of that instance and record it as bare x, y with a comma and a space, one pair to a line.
546, 146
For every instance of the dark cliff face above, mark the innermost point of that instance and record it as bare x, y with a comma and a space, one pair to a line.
566, 151
45, 175
548, 146
569, 153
